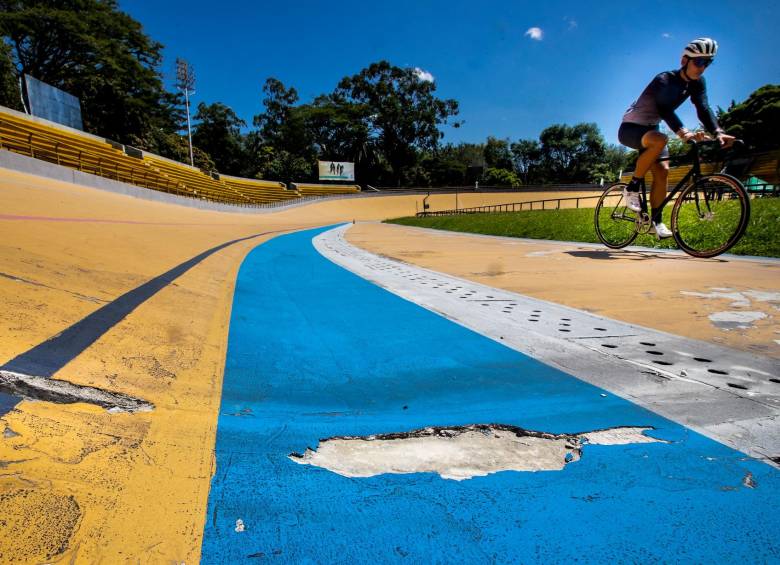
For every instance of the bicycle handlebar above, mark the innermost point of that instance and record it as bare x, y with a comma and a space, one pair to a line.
713, 142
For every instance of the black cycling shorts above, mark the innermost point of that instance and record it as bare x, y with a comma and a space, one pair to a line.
630, 135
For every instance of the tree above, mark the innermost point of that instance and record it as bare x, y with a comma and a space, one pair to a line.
615, 160
339, 130
402, 113
173, 146
281, 165
497, 153
278, 126
218, 133
99, 54
9, 82
445, 166
756, 119
280, 148
500, 177
569, 152
526, 155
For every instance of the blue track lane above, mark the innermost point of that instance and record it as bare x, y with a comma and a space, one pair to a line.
315, 351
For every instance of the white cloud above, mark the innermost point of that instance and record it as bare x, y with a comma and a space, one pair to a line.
423, 75
572, 22
534, 33
666, 35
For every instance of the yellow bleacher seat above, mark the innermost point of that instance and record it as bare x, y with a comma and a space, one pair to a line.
308, 189
65, 146
260, 191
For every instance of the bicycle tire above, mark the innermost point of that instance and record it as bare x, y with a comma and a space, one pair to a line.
615, 224
711, 215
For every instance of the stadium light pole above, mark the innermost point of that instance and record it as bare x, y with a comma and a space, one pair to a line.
185, 82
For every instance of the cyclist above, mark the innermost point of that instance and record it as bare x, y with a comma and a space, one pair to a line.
640, 127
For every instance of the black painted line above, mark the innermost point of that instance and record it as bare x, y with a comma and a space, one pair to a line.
50, 356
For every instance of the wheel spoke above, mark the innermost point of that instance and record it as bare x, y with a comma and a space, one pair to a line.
615, 224
710, 216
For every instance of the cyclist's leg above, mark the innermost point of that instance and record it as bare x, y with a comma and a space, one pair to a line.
660, 171
654, 144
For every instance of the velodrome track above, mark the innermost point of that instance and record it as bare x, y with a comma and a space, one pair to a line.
316, 352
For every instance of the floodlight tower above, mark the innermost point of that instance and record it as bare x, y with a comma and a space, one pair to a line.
185, 82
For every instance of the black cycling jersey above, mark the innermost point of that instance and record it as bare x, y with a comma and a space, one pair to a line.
664, 95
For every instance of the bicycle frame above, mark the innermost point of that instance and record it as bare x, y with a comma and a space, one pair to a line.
694, 173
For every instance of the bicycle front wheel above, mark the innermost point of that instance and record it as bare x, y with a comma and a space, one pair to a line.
615, 223
710, 215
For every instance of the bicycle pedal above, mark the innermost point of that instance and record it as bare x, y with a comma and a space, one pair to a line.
643, 223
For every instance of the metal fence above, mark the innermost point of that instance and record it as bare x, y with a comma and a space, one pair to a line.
756, 190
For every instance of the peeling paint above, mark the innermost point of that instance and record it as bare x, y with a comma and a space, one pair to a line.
539, 253
739, 299
461, 452
730, 320
63, 392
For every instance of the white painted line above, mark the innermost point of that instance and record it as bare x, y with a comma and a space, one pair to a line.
727, 395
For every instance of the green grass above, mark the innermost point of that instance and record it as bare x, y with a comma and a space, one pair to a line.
762, 237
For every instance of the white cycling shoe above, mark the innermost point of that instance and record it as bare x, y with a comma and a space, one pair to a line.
632, 200
660, 230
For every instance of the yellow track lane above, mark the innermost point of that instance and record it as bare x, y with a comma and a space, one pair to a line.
80, 484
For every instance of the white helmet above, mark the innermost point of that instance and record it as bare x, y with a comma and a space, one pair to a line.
701, 47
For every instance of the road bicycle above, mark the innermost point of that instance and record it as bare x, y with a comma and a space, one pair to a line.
709, 217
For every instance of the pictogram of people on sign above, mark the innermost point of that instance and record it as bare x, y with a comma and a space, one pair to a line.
336, 169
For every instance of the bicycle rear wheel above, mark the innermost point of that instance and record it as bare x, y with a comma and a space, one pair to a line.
710, 215
615, 223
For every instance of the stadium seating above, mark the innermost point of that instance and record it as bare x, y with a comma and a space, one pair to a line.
58, 144
766, 166
197, 183
260, 191
325, 189
90, 154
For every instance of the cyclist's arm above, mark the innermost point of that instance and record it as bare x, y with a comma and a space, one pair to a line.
703, 110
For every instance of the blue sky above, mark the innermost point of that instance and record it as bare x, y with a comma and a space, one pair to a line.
592, 60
